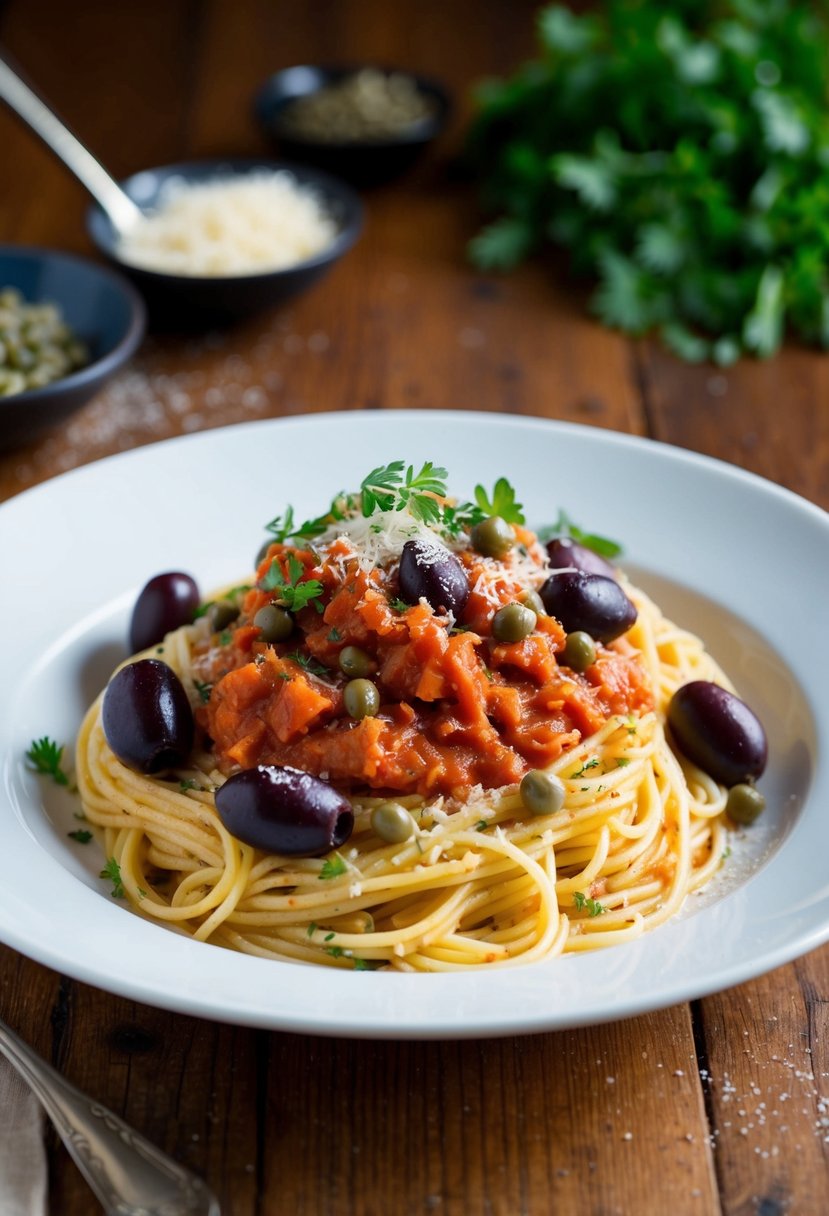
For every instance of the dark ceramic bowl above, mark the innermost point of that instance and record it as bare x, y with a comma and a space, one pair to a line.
362, 162
188, 302
98, 305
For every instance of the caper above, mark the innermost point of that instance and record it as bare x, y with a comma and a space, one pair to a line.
532, 600
276, 624
355, 662
745, 803
493, 537
579, 651
513, 623
392, 822
542, 793
361, 699
221, 613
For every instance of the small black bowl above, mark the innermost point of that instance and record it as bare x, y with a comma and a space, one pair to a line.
188, 302
101, 309
362, 162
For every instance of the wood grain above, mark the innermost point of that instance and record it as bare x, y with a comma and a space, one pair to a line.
718, 1107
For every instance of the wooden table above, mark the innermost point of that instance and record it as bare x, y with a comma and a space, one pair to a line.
717, 1106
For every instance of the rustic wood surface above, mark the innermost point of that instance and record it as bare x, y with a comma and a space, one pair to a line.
716, 1107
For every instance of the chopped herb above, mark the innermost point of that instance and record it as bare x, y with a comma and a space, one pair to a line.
622, 761
726, 853
294, 592
82, 835
204, 690
334, 951
112, 871
481, 826
501, 503
398, 605
394, 487
333, 867
188, 784
584, 902
335, 635
225, 637
587, 765
309, 663
45, 756
369, 964
142, 894
329, 937
312, 928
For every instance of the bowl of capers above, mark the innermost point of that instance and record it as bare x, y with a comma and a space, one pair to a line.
366, 123
67, 325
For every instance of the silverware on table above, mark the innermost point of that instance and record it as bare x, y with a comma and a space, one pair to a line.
130, 1176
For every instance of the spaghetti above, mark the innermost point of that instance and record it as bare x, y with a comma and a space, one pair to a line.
479, 880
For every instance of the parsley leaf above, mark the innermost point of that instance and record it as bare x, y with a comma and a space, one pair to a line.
394, 487
585, 903
45, 757
564, 526
82, 835
294, 592
112, 871
333, 867
502, 502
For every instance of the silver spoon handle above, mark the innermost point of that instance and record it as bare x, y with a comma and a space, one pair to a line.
129, 1175
36, 114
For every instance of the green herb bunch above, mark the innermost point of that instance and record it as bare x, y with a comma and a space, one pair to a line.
680, 154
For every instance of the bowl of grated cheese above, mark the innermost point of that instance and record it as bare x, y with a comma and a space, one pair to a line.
223, 239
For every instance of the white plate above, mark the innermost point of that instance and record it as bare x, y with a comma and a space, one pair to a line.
732, 557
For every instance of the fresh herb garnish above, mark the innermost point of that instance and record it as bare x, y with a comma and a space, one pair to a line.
585, 903
188, 784
678, 152
112, 871
564, 526
45, 756
309, 663
204, 690
501, 503
81, 835
398, 605
584, 768
394, 487
333, 867
294, 591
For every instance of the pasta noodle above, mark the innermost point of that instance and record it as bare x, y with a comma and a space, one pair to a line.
479, 882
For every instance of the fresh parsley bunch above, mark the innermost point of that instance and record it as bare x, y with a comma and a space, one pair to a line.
680, 154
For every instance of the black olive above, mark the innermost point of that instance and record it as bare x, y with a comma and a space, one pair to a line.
429, 571
564, 553
147, 718
167, 602
284, 810
589, 603
718, 732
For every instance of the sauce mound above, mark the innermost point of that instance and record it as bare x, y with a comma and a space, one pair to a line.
457, 707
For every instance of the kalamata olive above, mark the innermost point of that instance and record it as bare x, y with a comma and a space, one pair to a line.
579, 651
590, 603
718, 732
492, 537
563, 552
541, 793
147, 718
513, 623
429, 571
167, 602
284, 810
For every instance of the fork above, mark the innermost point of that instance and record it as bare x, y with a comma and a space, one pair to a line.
129, 1175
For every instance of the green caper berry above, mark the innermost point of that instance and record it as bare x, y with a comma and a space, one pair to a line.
220, 614
542, 793
361, 699
744, 803
493, 537
532, 600
355, 662
513, 623
579, 651
276, 624
392, 822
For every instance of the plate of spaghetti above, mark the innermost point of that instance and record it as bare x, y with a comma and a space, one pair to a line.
345, 725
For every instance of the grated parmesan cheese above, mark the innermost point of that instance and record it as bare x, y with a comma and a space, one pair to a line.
241, 225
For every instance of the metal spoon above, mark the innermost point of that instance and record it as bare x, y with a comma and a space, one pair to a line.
130, 1176
122, 212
